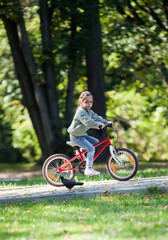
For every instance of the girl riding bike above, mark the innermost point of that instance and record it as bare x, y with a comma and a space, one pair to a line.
84, 119
121, 164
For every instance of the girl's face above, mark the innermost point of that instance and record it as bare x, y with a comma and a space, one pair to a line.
87, 103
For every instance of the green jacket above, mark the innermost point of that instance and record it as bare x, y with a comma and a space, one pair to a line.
83, 120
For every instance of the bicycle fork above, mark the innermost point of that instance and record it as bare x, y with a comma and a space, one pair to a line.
114, 154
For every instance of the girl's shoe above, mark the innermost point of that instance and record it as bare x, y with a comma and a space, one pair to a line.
90, 172
96, 172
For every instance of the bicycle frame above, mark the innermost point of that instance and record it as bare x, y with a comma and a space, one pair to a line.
105, 142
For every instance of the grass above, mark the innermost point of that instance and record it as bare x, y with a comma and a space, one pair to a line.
127, 216
151, 169
117, 216
6, 167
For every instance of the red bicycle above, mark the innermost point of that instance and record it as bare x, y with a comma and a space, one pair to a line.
121, 164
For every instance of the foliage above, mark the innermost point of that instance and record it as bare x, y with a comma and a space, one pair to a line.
141, 122
135, 67
24, 137
18, 141
134, 54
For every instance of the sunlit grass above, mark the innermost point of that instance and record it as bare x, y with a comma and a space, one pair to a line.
145, 170
116, 216
127, 216
6, 167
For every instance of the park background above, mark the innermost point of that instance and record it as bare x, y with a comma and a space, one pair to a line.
51, 51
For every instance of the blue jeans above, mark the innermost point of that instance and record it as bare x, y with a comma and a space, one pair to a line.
86, 142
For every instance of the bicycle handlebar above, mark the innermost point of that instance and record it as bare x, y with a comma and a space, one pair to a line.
106, 126
106, 132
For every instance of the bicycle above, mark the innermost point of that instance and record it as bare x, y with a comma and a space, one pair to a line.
122, 164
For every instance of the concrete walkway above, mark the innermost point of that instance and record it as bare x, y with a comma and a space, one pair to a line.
88, 190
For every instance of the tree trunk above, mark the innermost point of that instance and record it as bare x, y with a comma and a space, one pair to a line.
39, 98
94, 61
163, 70
72, 64
49, 74
26, 85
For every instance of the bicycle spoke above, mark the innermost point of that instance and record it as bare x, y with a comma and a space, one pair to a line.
50, 172
125, 168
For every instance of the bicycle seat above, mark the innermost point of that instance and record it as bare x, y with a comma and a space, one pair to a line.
71, 144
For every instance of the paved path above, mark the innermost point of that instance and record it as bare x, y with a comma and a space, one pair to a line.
89, 189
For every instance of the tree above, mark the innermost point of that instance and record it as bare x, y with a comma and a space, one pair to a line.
39, 91
37, 96
72, 75
94, 59
150, 19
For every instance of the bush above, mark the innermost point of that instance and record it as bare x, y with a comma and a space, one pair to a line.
141, 123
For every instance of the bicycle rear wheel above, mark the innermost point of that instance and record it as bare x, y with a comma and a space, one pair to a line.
128, 165
50, 172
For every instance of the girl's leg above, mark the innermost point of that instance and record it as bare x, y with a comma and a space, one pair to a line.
92, 140
86, 142
90, 154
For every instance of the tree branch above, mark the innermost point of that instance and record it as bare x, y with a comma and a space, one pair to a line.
150, 11
122, 12
136, 19
136, 16
165, 5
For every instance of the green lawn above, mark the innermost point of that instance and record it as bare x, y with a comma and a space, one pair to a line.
151, 169
128, 216
117, 216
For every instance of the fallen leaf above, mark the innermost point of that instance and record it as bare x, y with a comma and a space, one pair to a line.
110, 198
7, 224
15, 223
88, 228
59, 224
29, 210
105, 192
65, 202
120, 194
148, 197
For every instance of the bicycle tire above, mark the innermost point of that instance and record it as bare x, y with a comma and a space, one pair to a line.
50, 166
127, 169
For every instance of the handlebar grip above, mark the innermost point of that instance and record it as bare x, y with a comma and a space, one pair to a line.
109, 125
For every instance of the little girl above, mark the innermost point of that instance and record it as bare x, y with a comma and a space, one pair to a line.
84, 119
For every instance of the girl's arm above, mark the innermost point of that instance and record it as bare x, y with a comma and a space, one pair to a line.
98, 118
89, 122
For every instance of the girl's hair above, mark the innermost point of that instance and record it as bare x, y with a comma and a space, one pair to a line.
83, 96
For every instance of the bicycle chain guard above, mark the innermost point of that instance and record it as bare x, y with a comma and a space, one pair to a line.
82, 166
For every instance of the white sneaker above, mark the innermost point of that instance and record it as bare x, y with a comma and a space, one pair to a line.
90, 172
96, 172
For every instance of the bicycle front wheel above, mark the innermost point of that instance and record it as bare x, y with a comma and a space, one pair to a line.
50, 169
125, 168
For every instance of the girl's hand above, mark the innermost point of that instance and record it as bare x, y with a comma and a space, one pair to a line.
102, 126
